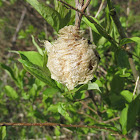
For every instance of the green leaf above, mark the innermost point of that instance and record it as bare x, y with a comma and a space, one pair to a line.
122, 58
9, 70
36, 45
49, 92
48, 13
38, 72
93, 86
25, 96
33, 62
123, 120
32, 56
117, 101
64, 12
133, 110
11, 92
62, 110
127, 95
66, 19
36, 61
123, 72
57, 131
117, 84
77, 89
45, 60
129, 40
99, 29
2, 132
53, 108
49, 138
129, 115
91, 24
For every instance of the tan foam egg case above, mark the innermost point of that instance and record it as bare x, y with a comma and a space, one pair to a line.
71, 60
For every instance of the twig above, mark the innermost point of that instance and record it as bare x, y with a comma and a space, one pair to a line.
103, 135
136, 84
90, 30
92, 98
136, 136
78, 16
45, 30
90, 117
89, 108
85, 5
111, 120
82, 7
62, 125
128, 10
100, 8
19, 26
78, 100
102, 69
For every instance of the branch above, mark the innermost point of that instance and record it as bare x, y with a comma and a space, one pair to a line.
55, 124
136, 84
82, 7
85, 5
63, 125
77, 16
90, 117
100, 8
90, 30
19, 25
123, 35
89, 108
101, 30
111, 120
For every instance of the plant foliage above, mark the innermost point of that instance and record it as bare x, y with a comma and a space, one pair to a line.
108, 102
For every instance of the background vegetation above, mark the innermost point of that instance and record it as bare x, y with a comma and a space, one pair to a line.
28, 94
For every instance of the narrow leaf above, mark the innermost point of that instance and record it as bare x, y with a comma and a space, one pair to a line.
133, 110
38, 72
48, 13
90, 25
36, 45
123, 120
77, 89
129, 40
66, 19
62, 110
11, 92
2, 132
101, 30
9, 70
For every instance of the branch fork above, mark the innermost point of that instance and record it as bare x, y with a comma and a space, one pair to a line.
82, 7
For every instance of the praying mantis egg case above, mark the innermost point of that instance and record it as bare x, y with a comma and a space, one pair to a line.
71, 60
